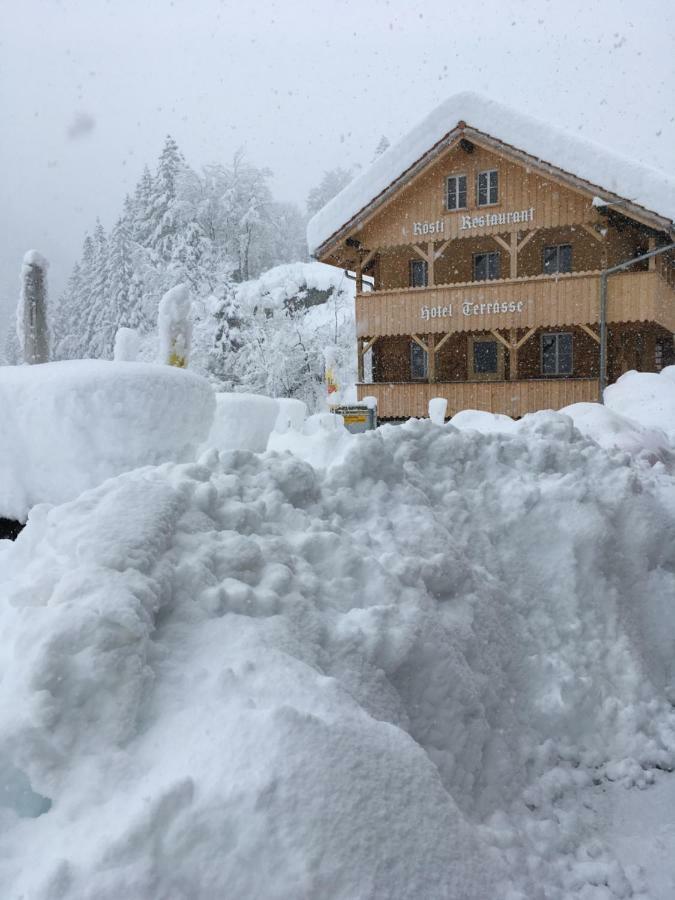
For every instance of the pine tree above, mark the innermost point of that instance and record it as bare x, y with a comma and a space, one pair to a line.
332, 182
162, 205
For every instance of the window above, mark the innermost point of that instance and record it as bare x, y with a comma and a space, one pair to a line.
558, 258
485, 357
456, 192
556, 354
418, 362
419, 272
487, 188
486, 266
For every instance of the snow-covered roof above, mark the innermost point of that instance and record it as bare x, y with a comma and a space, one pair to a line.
644, 186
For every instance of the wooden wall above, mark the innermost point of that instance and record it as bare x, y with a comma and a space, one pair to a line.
423, 200
629, 347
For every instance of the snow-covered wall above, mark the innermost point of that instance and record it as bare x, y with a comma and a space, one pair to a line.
653, 189
66, 427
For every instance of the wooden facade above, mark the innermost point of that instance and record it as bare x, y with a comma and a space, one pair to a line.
495, 305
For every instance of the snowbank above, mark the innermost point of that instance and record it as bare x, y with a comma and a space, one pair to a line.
647, 398
68, 426
242, 422
651, 188
394, 678
321, 441
292, 414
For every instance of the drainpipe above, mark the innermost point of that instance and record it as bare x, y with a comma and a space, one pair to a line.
622, 266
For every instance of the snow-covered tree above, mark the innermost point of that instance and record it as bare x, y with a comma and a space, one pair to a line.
332, 182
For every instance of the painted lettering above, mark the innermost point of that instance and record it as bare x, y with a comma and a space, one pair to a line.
424, 312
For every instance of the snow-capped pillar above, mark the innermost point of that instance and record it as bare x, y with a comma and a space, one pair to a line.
174, 323
31, 314
126, 345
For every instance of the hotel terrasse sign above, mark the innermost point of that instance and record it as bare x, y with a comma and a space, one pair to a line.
470, 223
469, 308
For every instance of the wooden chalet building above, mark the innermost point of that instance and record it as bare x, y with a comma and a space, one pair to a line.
477, 245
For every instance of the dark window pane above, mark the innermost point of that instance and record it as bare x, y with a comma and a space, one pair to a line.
461, 192
480, 266
548, 354
482, 189
418, 273
565, 354
484, 357
550, 259
565, 258
494, 187
452, 193
493, 265
418, 361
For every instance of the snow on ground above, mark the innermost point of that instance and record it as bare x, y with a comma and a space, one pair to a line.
243, 422
67, 426
395, 677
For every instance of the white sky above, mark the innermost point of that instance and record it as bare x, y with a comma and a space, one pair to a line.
302, 86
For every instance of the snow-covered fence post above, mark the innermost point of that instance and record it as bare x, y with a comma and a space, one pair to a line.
175, 327
31, 313
126, 345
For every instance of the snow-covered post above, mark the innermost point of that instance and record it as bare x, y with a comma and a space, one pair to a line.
126, 345
330, 374
437, 408
174, 323
31, 313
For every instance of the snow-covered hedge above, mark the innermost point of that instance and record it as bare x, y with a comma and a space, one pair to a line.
65, 427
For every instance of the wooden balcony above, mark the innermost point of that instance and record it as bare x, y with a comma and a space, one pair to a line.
512, 398
533, 302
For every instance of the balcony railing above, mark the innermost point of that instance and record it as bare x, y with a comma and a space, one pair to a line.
539, 301
511, 398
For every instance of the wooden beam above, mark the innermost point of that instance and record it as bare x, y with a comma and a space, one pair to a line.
441, 250
367, 258
359, 278
513, 354
368, 345
359, 358
499, 337
442, 341
430, 264
593, 233
421, 252
501, 242
525, 337
418, 340
528, 237
431, 359
652, 261
589, 331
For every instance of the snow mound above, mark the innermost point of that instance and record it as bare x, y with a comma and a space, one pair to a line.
647, 398
392, 678
242, 422
611, 429
68, 426
292, 414
321, 441
651, 188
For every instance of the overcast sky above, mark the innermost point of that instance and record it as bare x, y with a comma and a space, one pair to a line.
89, 89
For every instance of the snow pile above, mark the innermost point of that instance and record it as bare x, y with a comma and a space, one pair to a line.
393, 678
292, 414
292, 282
68, 426
127, 345
321, 441
242, 422
651, 188
647, 398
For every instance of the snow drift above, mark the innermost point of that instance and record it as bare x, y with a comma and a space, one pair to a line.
390, 679
68, 426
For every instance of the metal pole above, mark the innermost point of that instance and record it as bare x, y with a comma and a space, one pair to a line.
603, 335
